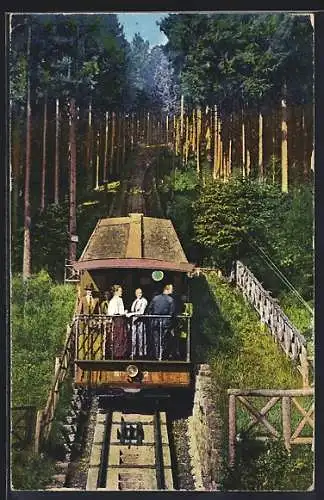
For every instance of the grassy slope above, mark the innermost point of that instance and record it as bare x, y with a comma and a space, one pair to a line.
40, 311
228, 334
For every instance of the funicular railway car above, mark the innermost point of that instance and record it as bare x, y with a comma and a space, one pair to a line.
133, 252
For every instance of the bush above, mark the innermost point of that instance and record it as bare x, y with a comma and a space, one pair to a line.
30, 471
227, 214
39, 315
268, 467
178, 189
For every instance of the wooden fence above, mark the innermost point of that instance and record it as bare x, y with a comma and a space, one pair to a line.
283, 331
62, 366
289, 401
23, 419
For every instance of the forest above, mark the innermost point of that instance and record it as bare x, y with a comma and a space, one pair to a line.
229, 103
80, 95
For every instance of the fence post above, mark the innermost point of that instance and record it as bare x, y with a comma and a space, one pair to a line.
286, 424
38, 430
304, 366
231, 430
56, 374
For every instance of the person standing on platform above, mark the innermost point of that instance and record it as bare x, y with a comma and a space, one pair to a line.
104, 303
88, 304
138, 328
162, 305
118, 335
87, 326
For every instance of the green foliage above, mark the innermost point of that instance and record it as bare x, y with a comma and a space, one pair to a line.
40, 312
255, 460
240, 59
31, 471
71, 55
300, 317
227, 334
226, 215
178, 189
57, 437
290, 241
50, 238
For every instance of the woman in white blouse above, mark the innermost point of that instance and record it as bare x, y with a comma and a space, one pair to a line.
116, 304
119, 338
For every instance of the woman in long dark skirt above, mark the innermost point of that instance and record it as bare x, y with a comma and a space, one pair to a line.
118, 341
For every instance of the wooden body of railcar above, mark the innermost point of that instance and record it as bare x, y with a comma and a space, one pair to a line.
129, 251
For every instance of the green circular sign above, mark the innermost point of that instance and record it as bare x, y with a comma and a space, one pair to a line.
157, 275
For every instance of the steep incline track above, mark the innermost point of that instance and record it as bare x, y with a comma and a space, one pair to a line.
131, 451
138, 190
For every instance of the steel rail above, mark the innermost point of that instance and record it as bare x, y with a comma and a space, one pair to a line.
159, 462
102, 474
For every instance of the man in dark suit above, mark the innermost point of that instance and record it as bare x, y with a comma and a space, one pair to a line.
162, 305
88, 304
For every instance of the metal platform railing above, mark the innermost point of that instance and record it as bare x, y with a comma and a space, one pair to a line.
151, 337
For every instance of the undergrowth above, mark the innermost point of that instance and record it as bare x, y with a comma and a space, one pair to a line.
229, 336
40, 312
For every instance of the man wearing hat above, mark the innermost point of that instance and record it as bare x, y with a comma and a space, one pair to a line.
88, 304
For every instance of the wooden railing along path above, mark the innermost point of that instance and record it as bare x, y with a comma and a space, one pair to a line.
290, 402
63, 365
284, 332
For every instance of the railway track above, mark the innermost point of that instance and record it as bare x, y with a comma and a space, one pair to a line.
130, 451
138, 190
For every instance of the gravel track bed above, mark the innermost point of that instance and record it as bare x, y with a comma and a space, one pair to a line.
78, 468
183, 462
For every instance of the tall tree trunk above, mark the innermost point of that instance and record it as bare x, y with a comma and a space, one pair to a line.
27, 221
148, 129
194, 131
15, 148
260, 148
112, 150
248, 162
124, 139
198, 138
243, 145
284, 143
89, 148
229, 170
178, 138
215, 142
57, 152
132, 132
187, 140
304, 155
72, 211
97, 159
219, 148
181, 118
43, 178
119, 143
105, 169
